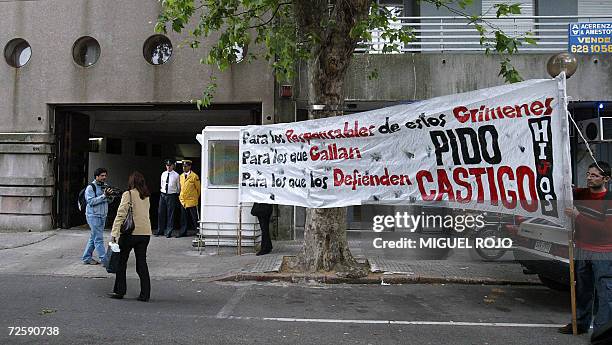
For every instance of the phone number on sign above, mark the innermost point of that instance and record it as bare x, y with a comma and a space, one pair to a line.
33, 330
585, 48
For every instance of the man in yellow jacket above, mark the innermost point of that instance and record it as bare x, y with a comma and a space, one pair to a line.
189, 198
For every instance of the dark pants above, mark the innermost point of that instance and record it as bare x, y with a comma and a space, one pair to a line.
165, 214
189, 219
264, 224
139, 243
593, 288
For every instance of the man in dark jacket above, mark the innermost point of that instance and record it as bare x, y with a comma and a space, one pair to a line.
263, 212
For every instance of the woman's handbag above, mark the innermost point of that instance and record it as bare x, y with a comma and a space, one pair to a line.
127, 227
112, 258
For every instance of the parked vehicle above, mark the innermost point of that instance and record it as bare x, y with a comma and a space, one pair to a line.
494, 228
541, 247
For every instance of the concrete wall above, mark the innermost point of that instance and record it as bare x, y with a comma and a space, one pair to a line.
120, 76
422, 76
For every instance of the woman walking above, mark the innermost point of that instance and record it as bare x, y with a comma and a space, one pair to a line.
138, 195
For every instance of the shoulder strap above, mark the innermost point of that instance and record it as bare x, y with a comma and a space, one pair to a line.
93, 186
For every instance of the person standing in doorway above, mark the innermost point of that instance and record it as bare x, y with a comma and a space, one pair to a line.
137, 197
593, 260
97, 198
189, 198
168, 200
263, 212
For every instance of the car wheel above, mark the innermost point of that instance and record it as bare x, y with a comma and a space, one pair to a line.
489, 254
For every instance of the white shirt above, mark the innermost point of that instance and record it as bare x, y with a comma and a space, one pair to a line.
174, 186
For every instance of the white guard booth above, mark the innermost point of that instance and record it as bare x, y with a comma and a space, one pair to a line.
224, 221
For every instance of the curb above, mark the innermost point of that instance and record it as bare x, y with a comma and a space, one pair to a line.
370, 279
25, 244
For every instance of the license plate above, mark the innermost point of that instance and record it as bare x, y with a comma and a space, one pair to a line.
542, 246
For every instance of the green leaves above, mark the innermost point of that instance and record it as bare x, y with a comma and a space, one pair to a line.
505, 9
383, 21
232, 26
510, 74
207, 94
235, 29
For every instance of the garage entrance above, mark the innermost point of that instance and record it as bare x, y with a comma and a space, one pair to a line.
124, 138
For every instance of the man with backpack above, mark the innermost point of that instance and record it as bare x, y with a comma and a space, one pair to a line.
97, 199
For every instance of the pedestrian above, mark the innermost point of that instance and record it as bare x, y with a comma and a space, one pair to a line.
168, 200
138, 195
263, 212
97, 197
189, 197
593, 260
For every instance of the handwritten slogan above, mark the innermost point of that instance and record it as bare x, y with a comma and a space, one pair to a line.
498, 149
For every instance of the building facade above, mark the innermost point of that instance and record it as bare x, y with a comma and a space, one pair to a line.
87, 83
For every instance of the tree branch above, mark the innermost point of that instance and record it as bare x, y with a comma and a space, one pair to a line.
272, 17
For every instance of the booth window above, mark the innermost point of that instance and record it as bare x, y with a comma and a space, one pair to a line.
223, 163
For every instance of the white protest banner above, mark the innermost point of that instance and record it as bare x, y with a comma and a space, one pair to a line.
501, 149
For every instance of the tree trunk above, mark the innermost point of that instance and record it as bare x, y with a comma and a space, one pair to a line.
325, 244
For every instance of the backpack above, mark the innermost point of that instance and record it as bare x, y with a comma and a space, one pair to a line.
81, 202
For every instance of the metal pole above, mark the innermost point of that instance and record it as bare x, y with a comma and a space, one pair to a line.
572, 279
568, 193
199, 233
239, 239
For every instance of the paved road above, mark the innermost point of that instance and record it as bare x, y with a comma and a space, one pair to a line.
192, 312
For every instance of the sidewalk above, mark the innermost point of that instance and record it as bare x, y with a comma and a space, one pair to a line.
58, 253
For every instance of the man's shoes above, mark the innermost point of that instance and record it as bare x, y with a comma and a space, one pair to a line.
567, 329
91, 262
168, 236
142, 299
114, 295
263, 252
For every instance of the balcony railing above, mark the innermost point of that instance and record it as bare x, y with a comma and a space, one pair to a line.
449, 34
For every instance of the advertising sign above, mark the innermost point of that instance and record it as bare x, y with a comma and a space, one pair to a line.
590, 38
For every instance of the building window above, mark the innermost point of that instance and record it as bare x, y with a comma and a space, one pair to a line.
113, 146
140, 148
94, 144
157, 49
86, 51
17, 52
156, 150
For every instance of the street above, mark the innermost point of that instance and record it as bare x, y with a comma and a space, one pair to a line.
198, 312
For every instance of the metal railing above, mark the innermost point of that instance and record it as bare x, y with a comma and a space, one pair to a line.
448, 34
